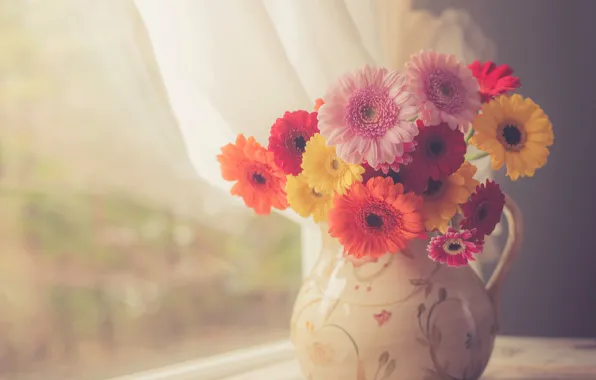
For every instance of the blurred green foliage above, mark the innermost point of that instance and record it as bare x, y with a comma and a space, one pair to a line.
120, 280
263, 257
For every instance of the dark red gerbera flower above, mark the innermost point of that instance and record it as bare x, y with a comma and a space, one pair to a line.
493, 80
439, 152
288, 139
484, 208
410, 180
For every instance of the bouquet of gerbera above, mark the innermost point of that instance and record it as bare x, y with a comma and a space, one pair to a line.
383, 157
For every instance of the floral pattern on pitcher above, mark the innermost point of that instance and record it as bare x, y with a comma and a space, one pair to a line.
433, 338
382, 317
383, 340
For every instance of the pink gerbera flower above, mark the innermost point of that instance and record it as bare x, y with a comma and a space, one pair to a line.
367, 116
455, 248
446, 90
405, 159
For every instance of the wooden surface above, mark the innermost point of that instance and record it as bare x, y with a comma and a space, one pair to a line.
513, 359
542, 359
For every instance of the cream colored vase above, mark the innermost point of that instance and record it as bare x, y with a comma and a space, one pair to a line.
402, 317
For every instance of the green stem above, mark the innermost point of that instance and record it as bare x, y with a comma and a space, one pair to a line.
469, 136
349, 337
476, 156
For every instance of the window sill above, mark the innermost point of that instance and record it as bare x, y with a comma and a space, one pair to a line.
273, 361
285, 370
513, 358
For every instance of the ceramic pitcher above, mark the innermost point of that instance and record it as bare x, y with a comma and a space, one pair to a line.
402, 317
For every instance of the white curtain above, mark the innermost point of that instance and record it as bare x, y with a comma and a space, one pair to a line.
154, 88
234, 66
180, 78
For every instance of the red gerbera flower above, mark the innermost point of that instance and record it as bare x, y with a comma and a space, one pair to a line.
258, 179
454, 248
493, 80
439, 152
376, 218
288, 139
484, 208
410, 179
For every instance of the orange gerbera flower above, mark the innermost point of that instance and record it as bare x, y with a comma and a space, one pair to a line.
318, 103
373, 219
259, 181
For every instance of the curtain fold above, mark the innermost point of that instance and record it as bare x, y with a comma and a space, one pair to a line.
233, 66
138, 96
181, 78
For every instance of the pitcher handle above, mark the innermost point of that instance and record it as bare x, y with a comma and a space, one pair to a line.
515, 224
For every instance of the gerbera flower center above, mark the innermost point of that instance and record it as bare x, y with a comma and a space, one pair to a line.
333, 165
259, 179
481, 211
374, 220
316, 193
435, 147
511, 137
454, 246
444, 89
377, 217
433, 188
371, 112
300, 143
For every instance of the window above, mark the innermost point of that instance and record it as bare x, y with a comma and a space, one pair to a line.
116, 256
122, 250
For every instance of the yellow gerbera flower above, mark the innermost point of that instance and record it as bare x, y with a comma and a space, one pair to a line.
306, 201
324, 171
516, 132
442, 198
